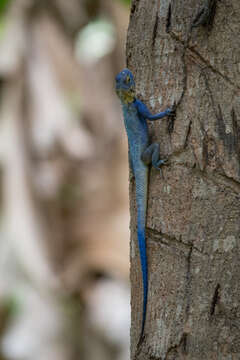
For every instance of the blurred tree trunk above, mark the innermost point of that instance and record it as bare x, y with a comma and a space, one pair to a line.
62, 160
193, 211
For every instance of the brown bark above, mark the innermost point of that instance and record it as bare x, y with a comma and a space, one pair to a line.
193, 212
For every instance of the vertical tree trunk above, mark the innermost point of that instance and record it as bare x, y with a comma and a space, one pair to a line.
194, 210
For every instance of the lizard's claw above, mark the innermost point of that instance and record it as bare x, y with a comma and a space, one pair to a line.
160, 163
165, 161
158, 166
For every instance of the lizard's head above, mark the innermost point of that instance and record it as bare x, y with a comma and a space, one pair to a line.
125, 86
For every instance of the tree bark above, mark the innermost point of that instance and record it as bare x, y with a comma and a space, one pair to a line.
193, 211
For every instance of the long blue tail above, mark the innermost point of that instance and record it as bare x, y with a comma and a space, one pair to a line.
141, 198
144, 266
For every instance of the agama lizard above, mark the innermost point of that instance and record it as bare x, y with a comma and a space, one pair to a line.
141, 155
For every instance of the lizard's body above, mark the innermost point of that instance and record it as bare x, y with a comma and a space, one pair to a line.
137, 133
141, 155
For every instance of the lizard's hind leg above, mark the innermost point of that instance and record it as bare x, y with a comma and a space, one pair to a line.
151, 156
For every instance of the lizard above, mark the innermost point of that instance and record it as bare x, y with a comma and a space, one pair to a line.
141, 155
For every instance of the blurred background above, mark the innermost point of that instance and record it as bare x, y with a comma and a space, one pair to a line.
64, 238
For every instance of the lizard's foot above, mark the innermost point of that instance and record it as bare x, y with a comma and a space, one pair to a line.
159, 163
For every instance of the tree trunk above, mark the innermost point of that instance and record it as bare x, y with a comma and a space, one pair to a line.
193, 211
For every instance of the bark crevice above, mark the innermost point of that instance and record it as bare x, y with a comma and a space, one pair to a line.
165, 239
215, 300
192, 51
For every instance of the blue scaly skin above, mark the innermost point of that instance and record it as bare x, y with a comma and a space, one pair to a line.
141, 155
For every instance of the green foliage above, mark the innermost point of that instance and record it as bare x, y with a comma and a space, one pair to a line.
2, 25
3, 6
126, 2
11, 305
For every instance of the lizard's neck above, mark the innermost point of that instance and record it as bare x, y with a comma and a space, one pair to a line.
127, 97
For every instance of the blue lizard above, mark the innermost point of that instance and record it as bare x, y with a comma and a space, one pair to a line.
141, 155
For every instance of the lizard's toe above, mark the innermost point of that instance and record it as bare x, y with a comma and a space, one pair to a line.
160, 163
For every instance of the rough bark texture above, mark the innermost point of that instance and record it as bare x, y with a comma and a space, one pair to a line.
193, 212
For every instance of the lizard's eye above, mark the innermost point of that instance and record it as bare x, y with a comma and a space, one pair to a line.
127, 80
